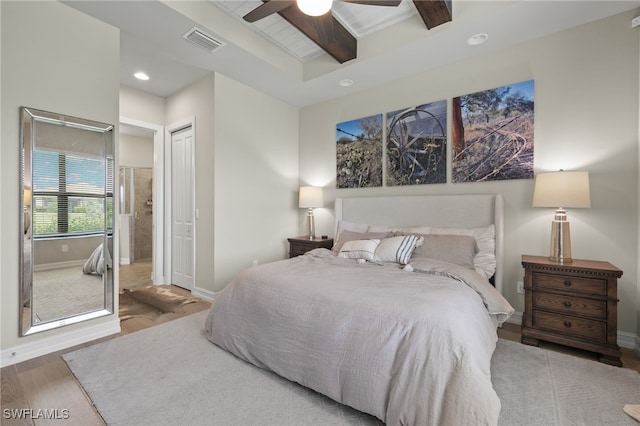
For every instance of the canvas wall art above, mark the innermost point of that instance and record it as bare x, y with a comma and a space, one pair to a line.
359, 153
417, 145
492, 134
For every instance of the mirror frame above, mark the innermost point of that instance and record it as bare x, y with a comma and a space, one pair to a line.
28, 118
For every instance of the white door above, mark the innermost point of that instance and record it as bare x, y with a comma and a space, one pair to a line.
182, 208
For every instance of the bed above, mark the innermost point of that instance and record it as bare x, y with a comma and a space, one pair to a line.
405, 338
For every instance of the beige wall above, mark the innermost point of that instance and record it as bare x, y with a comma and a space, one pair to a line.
136, 151
39, 73
197, 100
256, 178
586, 117
141, 106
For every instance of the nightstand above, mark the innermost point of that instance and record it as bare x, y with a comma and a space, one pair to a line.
301, 245
572, 304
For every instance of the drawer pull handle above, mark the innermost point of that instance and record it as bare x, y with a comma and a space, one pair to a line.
567, 304
567, 283
567, 324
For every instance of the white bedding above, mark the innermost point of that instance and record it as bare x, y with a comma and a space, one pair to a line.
409, 347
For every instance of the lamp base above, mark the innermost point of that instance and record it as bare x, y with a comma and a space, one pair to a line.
311, 223
560, 238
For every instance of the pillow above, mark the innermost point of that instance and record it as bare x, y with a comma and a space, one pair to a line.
484, 261
345, 236
359, 249
343, 225
397, 249
457, 249
400, 231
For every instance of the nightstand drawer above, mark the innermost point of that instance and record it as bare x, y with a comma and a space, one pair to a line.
559, 282
300, 245
298, 250
596, 309
596, 330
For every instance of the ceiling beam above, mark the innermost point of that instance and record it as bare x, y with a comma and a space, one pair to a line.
325, 31
434, 12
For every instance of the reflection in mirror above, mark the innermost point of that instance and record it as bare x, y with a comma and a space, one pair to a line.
67, 220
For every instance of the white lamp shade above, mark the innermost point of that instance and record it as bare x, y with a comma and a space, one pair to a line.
310, 197
27, 197
314, 7
562, 189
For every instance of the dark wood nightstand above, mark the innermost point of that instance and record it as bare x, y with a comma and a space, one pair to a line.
572, 304
301, 245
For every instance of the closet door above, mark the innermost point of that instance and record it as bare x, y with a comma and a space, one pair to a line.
182, 210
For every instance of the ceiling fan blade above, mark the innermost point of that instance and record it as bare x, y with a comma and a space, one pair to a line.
325, 31
434, 12
375, 2
269, 7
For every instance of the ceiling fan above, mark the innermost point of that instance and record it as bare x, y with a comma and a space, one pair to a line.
308, 7
312, 18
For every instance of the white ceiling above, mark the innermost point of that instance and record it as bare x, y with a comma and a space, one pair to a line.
294, 69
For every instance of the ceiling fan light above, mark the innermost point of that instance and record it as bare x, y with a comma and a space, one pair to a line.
314, 7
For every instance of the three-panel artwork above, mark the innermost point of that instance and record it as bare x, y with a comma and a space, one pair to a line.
491, 139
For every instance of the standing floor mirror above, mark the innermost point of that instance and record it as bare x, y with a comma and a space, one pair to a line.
66, 206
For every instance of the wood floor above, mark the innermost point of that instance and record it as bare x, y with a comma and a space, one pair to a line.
47, 383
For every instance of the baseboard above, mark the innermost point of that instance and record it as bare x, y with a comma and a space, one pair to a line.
125, 261
625, 339
58, 342
204, 294
58, 265
515, 318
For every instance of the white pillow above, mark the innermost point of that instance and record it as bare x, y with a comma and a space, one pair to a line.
359, 249
484, 261
397, 249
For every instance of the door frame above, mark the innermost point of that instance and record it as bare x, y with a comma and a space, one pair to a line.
158, 274
174, 127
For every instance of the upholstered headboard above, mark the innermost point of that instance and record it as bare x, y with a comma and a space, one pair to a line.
445, 211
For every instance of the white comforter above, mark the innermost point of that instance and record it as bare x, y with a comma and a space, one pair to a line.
411, 348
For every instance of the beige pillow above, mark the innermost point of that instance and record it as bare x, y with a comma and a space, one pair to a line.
345, 236
485, 260
456, 249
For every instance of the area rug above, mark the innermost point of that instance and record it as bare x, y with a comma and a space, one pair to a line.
171, 374
143, 307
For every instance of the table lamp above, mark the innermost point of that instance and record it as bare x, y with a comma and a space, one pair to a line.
560, 190
310, 198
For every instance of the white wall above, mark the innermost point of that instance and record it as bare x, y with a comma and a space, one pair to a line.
586, 117
46, 65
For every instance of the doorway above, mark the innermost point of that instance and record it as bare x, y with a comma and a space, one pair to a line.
141, 197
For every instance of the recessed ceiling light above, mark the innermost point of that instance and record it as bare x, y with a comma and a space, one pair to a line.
477, 39
141, 76
346, 82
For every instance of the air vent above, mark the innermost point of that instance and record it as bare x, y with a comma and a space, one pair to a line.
198, 37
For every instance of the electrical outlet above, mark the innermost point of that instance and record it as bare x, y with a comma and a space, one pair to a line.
520, 288
255, 262
65, 248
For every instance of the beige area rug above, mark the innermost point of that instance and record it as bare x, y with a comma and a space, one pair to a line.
147, 306
184, 379
59, 293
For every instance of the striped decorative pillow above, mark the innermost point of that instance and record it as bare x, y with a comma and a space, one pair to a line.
397, 249
359, 249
